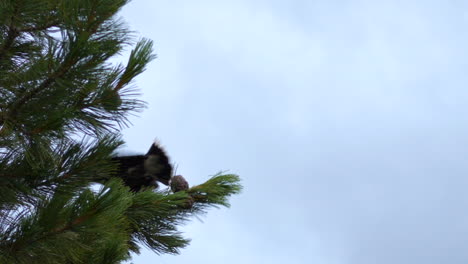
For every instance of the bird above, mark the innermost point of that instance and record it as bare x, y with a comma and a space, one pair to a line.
143, 171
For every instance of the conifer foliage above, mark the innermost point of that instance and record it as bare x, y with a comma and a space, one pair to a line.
62, 103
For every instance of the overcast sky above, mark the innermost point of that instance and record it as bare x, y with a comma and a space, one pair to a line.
346, 120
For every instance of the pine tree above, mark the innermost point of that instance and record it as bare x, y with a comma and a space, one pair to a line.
62, 105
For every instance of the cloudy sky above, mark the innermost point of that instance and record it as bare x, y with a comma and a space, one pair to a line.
347, 121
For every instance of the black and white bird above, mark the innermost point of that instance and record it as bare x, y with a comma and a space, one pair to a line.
139, 171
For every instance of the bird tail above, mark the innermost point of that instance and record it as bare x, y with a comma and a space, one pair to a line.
158, 162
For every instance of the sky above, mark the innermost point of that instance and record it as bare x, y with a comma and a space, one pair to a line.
346, 120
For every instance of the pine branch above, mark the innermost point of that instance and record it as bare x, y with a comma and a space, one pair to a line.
216, 190
139, 58
154, 217
51, 24
68, 63
88, 218
12, 34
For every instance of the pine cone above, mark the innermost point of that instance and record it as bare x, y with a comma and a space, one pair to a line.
189, 203
178, 183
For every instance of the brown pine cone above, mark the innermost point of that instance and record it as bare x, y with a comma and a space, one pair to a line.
189, 203
178, 183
